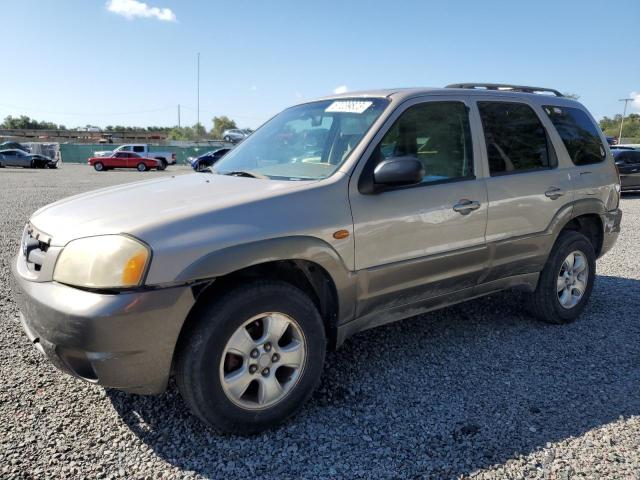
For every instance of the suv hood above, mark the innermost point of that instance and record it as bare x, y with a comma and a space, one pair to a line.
135, 208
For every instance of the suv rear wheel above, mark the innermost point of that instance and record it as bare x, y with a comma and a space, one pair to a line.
252, 358
566, 281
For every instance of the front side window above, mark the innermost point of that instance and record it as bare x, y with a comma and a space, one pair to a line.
305, 142
579, 134
138, 148
437, 134
515, 138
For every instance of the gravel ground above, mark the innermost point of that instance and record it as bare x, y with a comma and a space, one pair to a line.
477, 390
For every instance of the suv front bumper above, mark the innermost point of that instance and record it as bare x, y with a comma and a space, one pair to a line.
124, 341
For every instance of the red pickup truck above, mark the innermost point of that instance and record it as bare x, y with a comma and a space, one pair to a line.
124, 160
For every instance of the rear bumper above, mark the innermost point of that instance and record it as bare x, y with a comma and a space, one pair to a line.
612, 221
124, 341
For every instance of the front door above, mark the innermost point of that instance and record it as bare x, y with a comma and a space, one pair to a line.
120, 160
423, 241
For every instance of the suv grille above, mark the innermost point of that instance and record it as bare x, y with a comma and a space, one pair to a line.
34, 246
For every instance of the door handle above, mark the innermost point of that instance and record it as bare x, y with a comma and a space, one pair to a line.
465, 207
554, 193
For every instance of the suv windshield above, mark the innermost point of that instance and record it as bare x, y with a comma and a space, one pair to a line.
305, 142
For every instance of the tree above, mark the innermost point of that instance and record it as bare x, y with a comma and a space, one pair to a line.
631, 129
220, 124
187, 133
24, 122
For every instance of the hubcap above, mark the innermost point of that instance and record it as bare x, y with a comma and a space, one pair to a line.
262, 361
572, 279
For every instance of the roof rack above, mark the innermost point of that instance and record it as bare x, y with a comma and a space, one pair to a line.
504, 88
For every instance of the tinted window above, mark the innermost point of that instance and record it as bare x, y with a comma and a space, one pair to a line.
138, 148
579, 134
436, 133
516, 140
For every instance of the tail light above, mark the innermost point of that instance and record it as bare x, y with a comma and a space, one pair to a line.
173, 156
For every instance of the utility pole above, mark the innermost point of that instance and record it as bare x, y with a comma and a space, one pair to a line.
198, 93
624, 113
179, 116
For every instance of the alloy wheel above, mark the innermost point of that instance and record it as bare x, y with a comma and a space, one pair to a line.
573, 278
262, 361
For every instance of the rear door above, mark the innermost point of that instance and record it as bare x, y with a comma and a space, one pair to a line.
527, 186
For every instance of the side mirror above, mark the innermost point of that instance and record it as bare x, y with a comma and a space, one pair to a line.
398, 171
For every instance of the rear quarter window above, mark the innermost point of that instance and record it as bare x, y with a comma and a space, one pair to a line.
580, 135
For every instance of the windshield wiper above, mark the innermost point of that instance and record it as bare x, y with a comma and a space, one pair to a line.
242, 173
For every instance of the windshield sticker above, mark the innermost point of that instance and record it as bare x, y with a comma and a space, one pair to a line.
348, 106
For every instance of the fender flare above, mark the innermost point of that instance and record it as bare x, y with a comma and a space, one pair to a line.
231, 259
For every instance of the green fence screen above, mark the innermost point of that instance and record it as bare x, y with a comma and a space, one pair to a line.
80, 153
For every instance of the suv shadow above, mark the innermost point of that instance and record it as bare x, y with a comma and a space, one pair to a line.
444, 394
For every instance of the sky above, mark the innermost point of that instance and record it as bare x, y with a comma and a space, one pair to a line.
126, 62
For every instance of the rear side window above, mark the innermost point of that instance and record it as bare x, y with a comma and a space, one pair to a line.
138, 148
579, 134
515, 138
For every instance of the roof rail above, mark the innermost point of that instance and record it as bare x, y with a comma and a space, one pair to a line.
504, 88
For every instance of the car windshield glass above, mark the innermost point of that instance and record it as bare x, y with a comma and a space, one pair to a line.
305, 142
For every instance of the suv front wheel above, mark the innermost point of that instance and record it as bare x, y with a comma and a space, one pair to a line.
252, 358
566, 281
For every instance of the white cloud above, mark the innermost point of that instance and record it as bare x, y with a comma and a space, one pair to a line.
340, 89
131, 9
253, 88
636, 100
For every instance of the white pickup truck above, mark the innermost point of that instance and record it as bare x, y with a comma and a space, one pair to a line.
166, 158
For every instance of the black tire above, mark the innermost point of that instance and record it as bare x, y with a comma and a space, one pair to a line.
544, 302
203, 342
162, 164
141, 167
227, 139
99, 167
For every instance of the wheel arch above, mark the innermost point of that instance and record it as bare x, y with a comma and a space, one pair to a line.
304, 262
586, 217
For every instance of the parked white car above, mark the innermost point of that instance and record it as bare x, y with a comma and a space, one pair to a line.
166, 158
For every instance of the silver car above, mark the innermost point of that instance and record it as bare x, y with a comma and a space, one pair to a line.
336, 216
234, 135
20, 158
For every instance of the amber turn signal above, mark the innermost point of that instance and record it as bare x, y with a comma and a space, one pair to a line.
340, 234
134, 269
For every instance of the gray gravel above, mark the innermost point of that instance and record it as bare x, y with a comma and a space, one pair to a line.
478, 390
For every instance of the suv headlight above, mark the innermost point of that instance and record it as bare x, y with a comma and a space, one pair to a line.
108, 261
